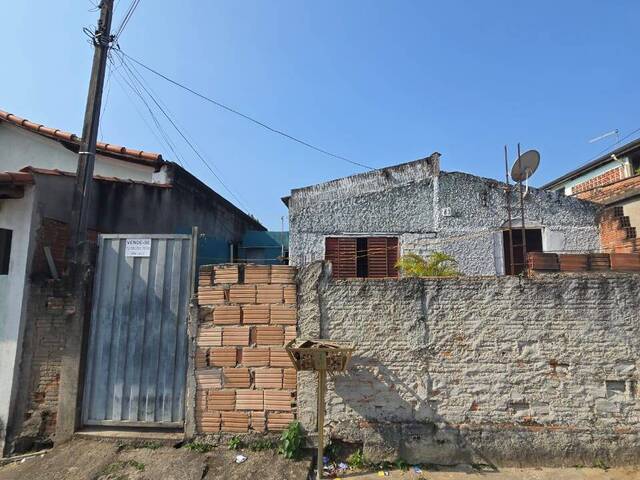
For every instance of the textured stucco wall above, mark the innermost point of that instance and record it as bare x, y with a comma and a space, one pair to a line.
480, 369
409, 204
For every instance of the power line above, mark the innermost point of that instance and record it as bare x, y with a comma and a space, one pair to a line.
166, 139
245, 116
141, 80
126, 18
184, 137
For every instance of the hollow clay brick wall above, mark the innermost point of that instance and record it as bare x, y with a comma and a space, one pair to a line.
245, 380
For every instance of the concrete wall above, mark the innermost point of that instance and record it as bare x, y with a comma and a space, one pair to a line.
480, 369
21, 148
408, 201
15, 215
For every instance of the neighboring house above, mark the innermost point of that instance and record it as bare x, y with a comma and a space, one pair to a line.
364, 222
133, 193
612, 180
267, 248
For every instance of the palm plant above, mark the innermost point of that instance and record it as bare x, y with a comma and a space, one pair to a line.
437, 264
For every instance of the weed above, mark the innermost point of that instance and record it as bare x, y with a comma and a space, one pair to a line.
261, 444
290, 440
112, 470
234, 443
199, 447
402, 465
599, 463
356, 460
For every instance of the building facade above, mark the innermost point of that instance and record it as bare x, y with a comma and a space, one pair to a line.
612, 180
134, 193
363, 223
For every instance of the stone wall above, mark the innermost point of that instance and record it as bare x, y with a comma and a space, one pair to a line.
491, 370
245, 381
430, 210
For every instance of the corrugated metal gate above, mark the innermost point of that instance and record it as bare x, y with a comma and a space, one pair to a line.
137, 353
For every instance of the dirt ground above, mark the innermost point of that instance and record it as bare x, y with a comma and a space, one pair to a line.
84, 459
468, 473
89, 459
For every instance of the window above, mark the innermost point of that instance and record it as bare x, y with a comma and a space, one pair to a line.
362, 257
534, 244
5, 250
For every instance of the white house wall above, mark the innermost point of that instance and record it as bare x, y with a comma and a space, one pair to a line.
15, 215
20, 148
453, 212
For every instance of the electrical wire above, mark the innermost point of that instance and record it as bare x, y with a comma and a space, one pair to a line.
245, 116
613, 145
125, 19
166, 139
184, 137
142, 82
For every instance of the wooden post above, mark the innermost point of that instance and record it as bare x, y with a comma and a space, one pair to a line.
322, 387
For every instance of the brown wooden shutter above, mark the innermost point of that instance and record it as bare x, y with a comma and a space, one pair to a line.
341, 252
382, 254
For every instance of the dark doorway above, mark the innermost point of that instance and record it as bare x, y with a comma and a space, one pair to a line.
534, 244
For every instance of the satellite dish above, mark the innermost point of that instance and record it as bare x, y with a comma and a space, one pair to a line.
525, 166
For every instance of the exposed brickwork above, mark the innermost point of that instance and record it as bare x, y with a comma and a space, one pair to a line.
604, 193
603, 179
616, 233
243, 373
48, 307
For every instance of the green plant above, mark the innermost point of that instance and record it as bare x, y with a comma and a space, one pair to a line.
402, 465
199, 447
291, 440
261, 444
438, 264
234, 443
637, 171
599, 463
112, 469
356, 459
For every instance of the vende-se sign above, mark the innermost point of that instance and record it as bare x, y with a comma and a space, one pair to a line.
138, 247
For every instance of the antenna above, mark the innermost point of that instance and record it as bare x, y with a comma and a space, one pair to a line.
521, 171
615, 132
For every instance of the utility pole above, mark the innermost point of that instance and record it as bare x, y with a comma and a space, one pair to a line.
80, 272
87, 153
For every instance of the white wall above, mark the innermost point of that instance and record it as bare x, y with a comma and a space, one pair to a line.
15, 215
20, 148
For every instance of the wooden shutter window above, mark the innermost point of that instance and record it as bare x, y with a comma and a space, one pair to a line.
382, 254
341, 252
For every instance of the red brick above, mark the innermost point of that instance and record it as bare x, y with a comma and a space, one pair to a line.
222, 357
225, 274
278, 357
209, 336
268, 377
270, 335
236, 377
226, 315
209, 378
255, 314
276, 422
219, 400
257, 274
270, 294
208, 422
236, 422
289, 379
242, 294
249, 400
255, 357
258, 420
279, 400
283, 314
235, 336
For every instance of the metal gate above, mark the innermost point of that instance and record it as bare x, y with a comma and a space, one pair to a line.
137, 352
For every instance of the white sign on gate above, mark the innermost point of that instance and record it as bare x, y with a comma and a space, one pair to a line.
138, 247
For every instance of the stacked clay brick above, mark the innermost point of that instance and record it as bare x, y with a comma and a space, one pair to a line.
245, 379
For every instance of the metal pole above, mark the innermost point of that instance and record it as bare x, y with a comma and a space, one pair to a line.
506, 169
322, 387
524, 236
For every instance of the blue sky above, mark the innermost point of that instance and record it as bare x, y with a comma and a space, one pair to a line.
380, 82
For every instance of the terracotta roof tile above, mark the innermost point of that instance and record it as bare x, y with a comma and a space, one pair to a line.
126, 154
16, 178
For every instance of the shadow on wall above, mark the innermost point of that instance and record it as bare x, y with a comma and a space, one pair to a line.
411, 429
